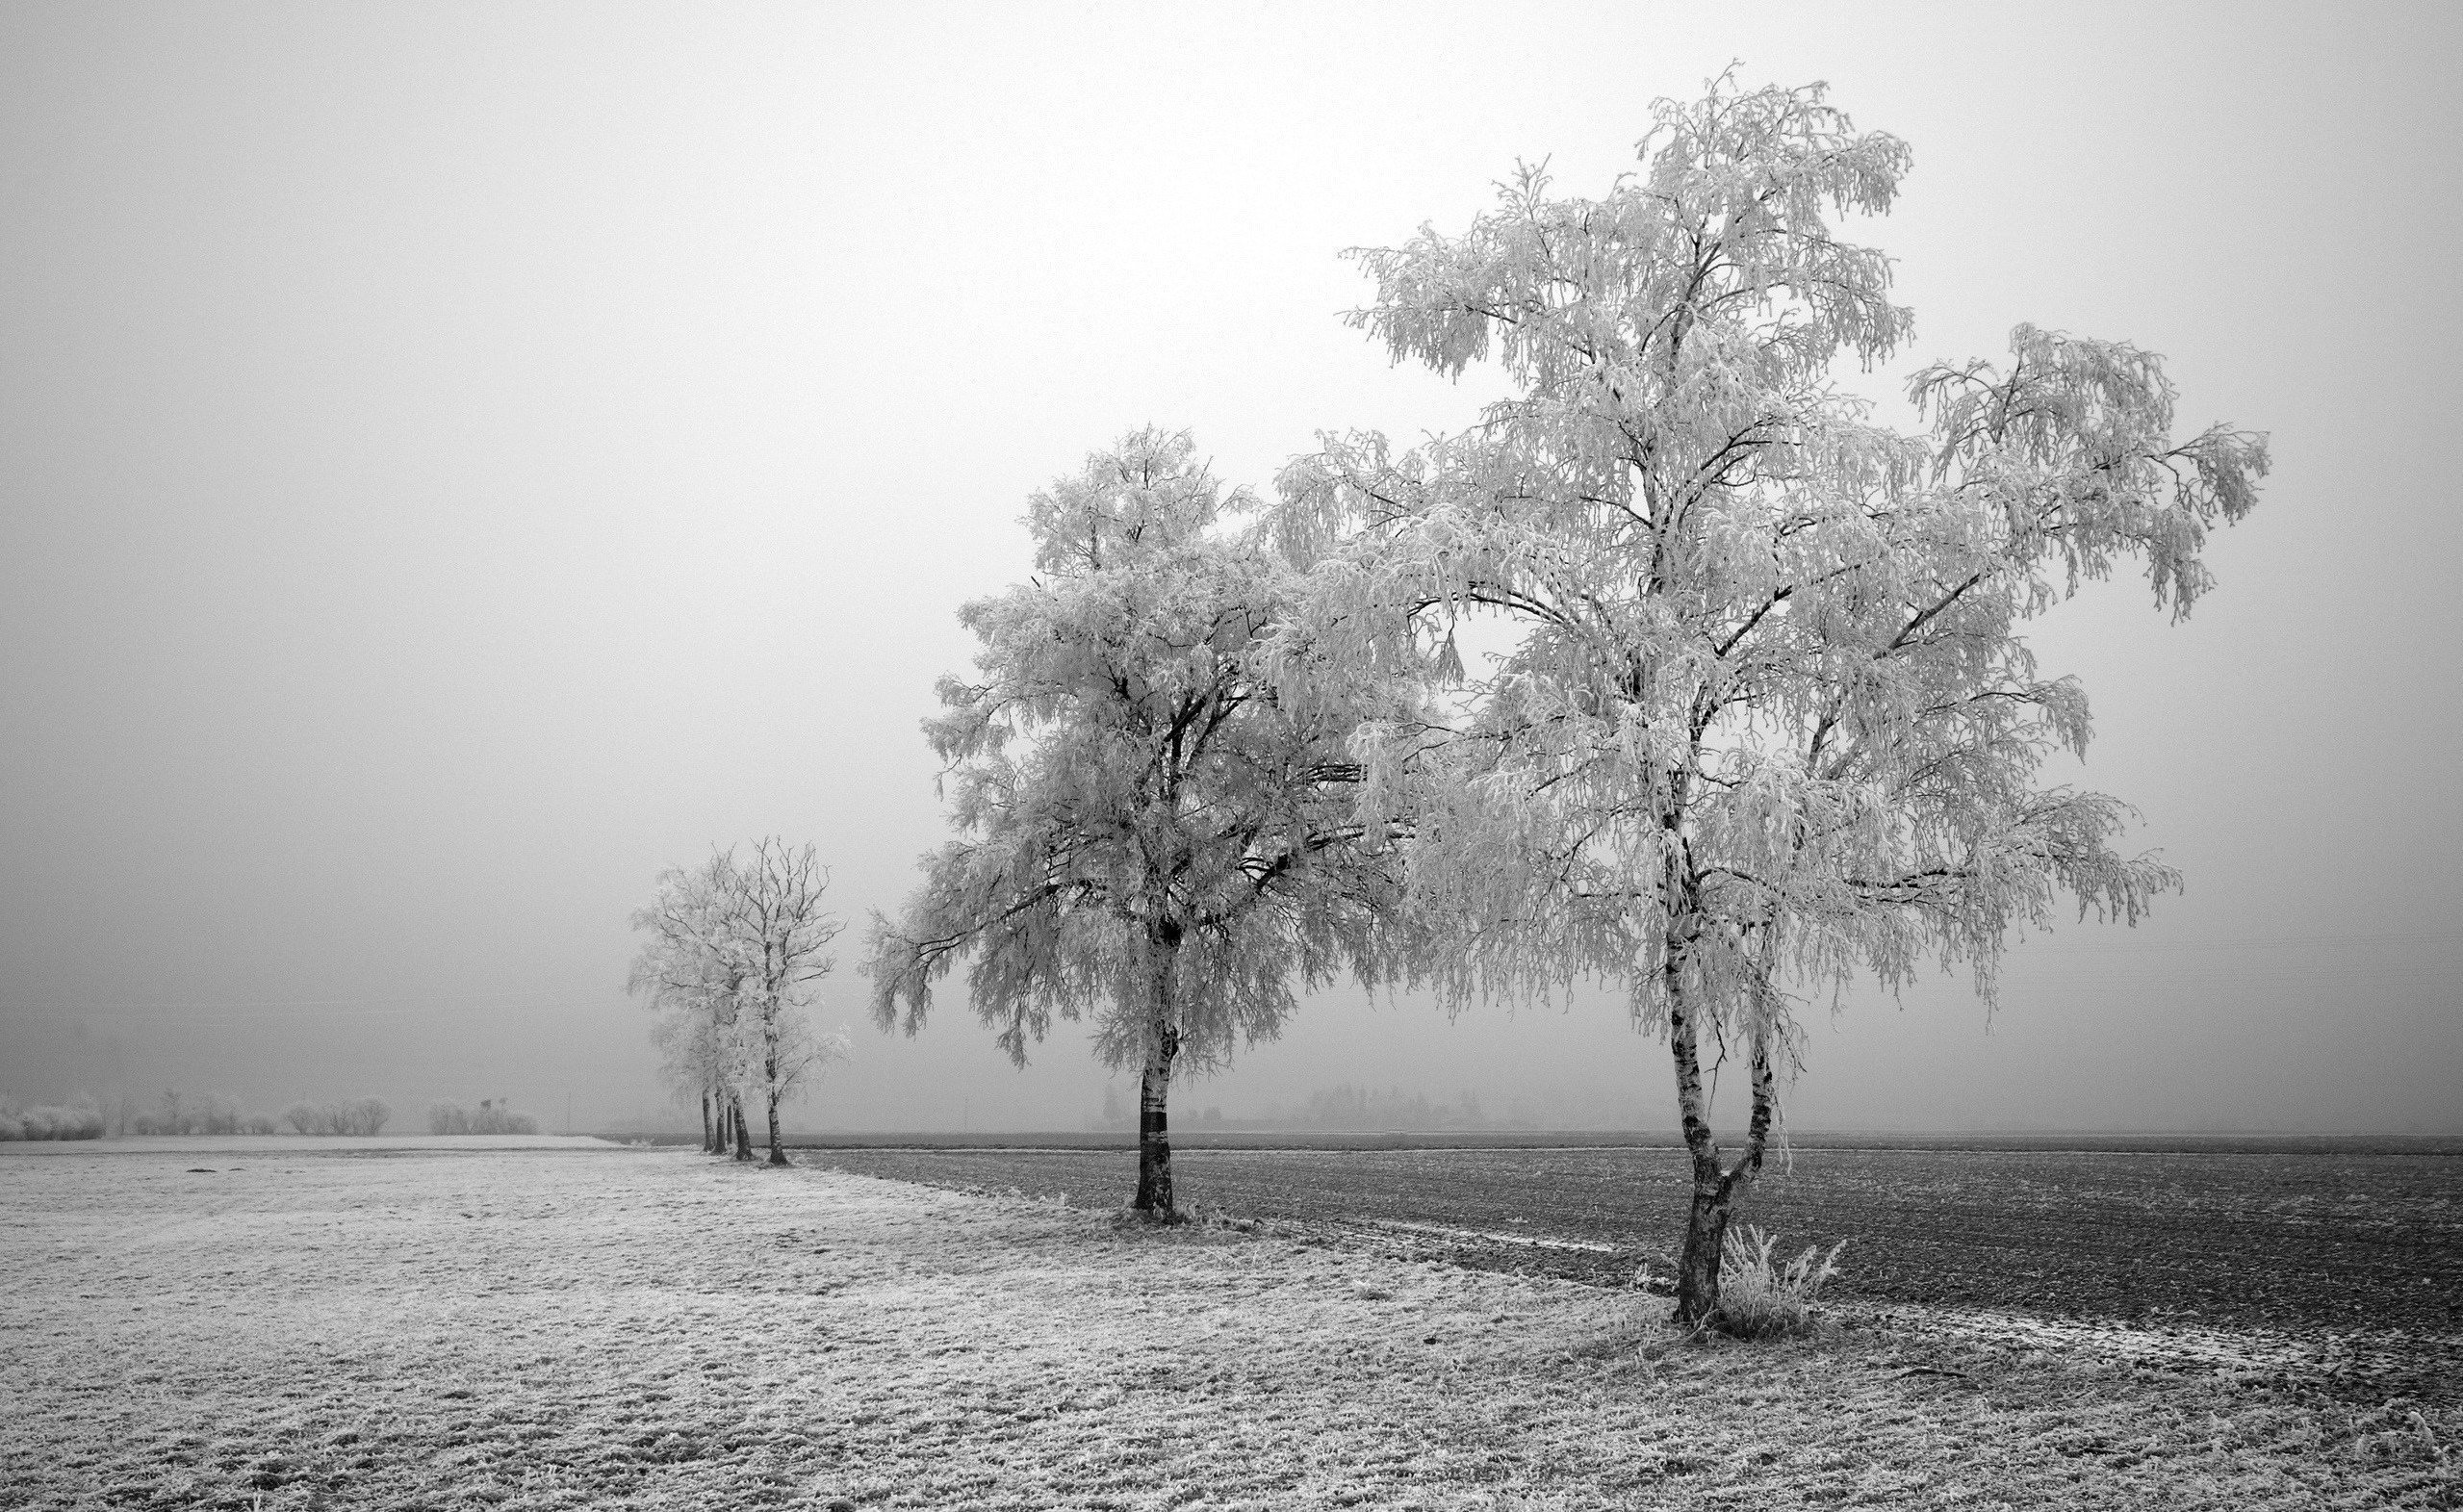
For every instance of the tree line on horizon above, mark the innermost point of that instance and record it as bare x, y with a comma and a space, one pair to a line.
1766, 723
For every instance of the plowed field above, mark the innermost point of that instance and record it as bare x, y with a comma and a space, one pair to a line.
2301, 1239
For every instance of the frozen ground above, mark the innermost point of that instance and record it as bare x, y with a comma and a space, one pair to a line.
269, 1324
278, 1144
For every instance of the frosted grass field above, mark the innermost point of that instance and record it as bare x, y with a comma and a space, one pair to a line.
568, 1325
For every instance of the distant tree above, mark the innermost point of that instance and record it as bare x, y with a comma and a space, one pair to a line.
692, 1062
776, 920
361, 1116
733, 953
1769, 720
1153, 831
495, 1115
80, 1120
685, 972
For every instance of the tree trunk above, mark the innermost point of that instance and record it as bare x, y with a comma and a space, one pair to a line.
777, 1156
1154, 1087
1154, 1134
1714, 1189
709, 1131
743, 1130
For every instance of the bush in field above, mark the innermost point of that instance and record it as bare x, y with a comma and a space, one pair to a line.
81, 1119
495, 1115
1761, 1298
361, 1116
200, 1113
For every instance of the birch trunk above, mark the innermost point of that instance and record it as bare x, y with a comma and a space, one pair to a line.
1154, 1134
1714, 1188
743, 1130
1154, 1087
778, 1154
709, 1130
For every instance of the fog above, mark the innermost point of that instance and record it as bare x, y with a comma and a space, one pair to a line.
457, 461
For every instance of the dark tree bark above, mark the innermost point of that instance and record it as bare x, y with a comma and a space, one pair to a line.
1714, 1187
1154, 1132
709, 1131
1154, 1087
778, 1154
743, 1130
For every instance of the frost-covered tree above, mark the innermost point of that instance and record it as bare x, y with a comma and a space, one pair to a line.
776, 921
1154, 833
1769, 722
694, 1066
733, 949
684, 973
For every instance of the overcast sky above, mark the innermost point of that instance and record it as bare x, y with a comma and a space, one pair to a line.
457, 460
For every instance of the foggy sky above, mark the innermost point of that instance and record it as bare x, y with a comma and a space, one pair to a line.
455, 461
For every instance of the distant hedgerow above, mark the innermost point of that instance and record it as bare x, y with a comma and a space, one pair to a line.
495, 1115
361, 1116
196, 1113
80, 1120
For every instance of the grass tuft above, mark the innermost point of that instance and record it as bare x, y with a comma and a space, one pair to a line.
1764, 1297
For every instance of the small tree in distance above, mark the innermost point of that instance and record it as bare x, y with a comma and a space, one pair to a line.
685, 973
1769, 720
361, 1116
774, 918
734, 950
1154, 833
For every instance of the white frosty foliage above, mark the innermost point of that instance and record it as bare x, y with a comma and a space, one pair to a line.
1769, 714
732, 952
1153, 830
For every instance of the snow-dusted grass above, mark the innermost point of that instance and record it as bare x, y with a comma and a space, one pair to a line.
1761, 1297
567, 1328
283, 1144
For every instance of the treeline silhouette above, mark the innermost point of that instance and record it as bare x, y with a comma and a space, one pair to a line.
493, 1116
80, 1120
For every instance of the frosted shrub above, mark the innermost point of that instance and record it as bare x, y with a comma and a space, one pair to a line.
495, 1115
80, 1120
1761, 1297
361, 1116
196, 1113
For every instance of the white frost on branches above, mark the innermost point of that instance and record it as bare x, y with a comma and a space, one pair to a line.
1769, 706
734, 950
1157, 832
1769, 720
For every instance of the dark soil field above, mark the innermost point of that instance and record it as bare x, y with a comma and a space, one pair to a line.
2306, 1235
